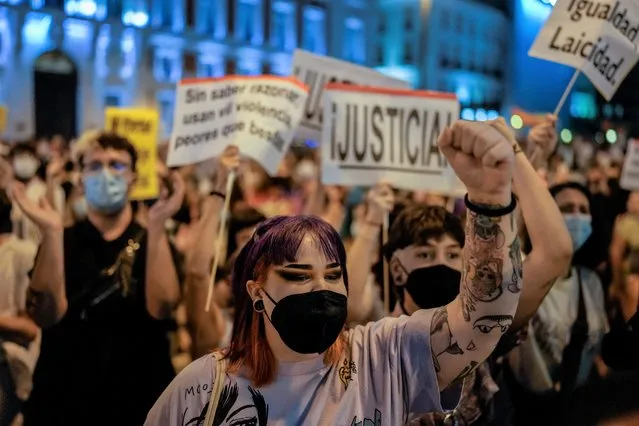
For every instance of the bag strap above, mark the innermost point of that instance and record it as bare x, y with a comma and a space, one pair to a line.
571, 359
219, 370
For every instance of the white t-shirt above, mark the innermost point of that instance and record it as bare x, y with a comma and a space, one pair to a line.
537, 361
387, 374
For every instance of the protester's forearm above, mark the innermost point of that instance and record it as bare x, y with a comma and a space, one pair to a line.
544, 222
360, 257
334, 215
199, 258
464, 333
162, 284
47, 300
207, 328
23, 326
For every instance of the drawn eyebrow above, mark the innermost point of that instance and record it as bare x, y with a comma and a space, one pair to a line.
297, 266
333, 265
230, 416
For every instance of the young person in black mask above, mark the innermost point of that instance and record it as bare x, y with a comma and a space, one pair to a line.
424, 254
102, 291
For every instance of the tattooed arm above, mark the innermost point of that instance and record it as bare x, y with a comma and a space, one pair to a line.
465, 332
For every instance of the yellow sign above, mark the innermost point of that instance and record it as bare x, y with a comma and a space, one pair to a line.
140, 127
3, 118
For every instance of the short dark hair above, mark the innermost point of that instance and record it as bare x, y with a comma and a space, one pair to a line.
556, 189
23, 148
109, 140
416, 224
242, 219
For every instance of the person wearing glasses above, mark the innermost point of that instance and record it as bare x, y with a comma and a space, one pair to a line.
103, 291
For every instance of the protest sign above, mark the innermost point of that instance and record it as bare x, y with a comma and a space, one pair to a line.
593, 37
317, 71
140, 127
4, 112
630, 173
372, 134
257, 114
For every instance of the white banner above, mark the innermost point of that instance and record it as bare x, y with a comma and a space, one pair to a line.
372, 134
257, 114
594, 37
630, 173
316, 71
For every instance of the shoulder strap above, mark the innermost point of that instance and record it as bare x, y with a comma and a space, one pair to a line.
219, 370
571, 360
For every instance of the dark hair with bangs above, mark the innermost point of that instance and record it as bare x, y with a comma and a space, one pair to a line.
416, 224
275, 242
107, 140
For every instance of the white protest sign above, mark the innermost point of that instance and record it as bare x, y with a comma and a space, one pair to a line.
592, 38
257, 114
372, 134
630, 173
316, 71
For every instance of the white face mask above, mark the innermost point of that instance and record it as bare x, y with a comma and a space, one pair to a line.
25, 167
306, 170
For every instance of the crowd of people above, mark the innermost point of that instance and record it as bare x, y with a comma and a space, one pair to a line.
514, 305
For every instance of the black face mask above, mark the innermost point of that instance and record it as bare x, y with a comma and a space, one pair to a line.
433, 286
310, 322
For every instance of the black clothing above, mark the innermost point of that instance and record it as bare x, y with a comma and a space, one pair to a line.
104, 365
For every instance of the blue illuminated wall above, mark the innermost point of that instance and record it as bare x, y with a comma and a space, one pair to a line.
535, 84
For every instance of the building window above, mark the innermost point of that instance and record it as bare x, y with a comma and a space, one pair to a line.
113, 100
354, 41
189, 13
53, 3
230, 67
247, 21
382, 23
168, 11
408, 53
283, 26
445, 19
165, 69
83, 8
165, 102
459, 23
314, 29
134, 13
380, 55
189, 64
210, 68
408, 19
266, 68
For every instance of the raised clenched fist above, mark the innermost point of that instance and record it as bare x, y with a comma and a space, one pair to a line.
482, 155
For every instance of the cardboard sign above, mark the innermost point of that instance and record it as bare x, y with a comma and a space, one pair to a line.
630, 173
372, 134
317, 71
257, 114
594, 37
140, 127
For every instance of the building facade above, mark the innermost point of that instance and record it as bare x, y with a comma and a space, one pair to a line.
62, 62
458, 46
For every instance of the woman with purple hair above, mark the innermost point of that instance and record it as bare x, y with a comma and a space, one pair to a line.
292, 362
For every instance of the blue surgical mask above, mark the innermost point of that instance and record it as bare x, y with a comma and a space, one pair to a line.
106, 192
580, 227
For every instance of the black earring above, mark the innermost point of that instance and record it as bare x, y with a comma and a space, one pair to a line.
258, 305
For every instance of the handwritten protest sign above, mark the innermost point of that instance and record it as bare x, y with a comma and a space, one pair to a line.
372, 134
317, 71
140, 127
257, 114
594, 37
630, 173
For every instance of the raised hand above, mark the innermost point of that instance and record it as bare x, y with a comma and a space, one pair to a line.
379, 202
228, 161
55, 167
482, 156
167, 205
42, 214
543, 137
6, 174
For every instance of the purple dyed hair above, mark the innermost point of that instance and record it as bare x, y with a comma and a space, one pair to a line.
276, 241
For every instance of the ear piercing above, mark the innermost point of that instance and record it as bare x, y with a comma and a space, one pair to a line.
258, 306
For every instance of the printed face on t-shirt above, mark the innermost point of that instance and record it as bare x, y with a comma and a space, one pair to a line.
443, 251
311, 271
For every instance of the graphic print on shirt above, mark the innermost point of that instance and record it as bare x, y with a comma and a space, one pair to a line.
255, 413
346, 372
375, 421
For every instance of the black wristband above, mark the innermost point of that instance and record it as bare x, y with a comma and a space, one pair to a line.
218, 194
488, 212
